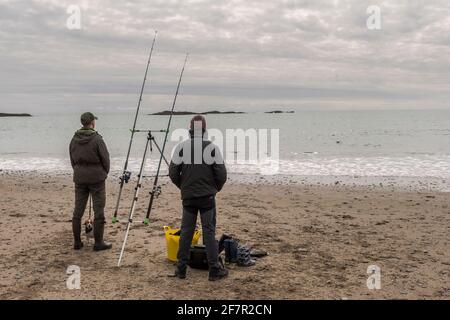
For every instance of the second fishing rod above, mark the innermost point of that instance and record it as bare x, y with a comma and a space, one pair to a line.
156, 190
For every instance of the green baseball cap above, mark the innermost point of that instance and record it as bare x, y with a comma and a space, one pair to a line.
87, 117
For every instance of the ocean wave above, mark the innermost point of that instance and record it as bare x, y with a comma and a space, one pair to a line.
410, 166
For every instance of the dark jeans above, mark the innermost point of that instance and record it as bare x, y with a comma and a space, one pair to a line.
98, 194
188, 224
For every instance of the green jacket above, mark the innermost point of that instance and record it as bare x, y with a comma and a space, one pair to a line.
89, 157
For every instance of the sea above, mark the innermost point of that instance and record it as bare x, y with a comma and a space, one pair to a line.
352, 145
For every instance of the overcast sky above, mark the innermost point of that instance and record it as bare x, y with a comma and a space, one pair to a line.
253, 55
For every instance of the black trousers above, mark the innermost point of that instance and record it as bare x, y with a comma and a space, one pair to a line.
188, 224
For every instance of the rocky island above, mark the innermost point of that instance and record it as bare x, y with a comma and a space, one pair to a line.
15, 115
184, 113
279, 111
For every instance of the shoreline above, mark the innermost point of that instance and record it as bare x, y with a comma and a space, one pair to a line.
393, 183
322, 238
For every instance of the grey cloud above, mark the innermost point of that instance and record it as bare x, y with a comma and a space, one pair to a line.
286, 52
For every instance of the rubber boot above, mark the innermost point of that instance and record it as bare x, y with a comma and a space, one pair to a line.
221, 243
231, 247
99, 228
76, 228
226, 246
217, 273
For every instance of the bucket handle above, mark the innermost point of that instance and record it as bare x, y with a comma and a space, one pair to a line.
167, 229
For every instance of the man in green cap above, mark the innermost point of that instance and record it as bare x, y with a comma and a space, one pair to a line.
90, 162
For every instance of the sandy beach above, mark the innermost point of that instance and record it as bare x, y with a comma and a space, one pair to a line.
320, 241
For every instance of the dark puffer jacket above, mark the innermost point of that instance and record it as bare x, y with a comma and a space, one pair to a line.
89, 157
197, 180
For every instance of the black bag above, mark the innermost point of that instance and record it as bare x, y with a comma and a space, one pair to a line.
198, 258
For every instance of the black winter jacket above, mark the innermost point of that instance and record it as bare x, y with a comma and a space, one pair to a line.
201, 178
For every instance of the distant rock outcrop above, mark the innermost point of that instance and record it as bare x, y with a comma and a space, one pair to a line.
15, 115
279, 111
184, 113
175, 113
222, 112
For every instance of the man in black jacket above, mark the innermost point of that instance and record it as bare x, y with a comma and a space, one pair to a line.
198, 170
90, 162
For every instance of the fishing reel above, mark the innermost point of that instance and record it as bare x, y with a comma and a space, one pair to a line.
125, 176
156, 191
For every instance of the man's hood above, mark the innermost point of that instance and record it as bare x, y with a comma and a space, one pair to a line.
83, 136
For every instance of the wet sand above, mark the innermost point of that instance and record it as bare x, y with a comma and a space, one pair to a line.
320, 241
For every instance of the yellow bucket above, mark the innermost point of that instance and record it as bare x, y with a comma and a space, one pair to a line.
173, 241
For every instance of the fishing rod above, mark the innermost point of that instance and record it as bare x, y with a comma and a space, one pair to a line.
156, 190
126, 175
